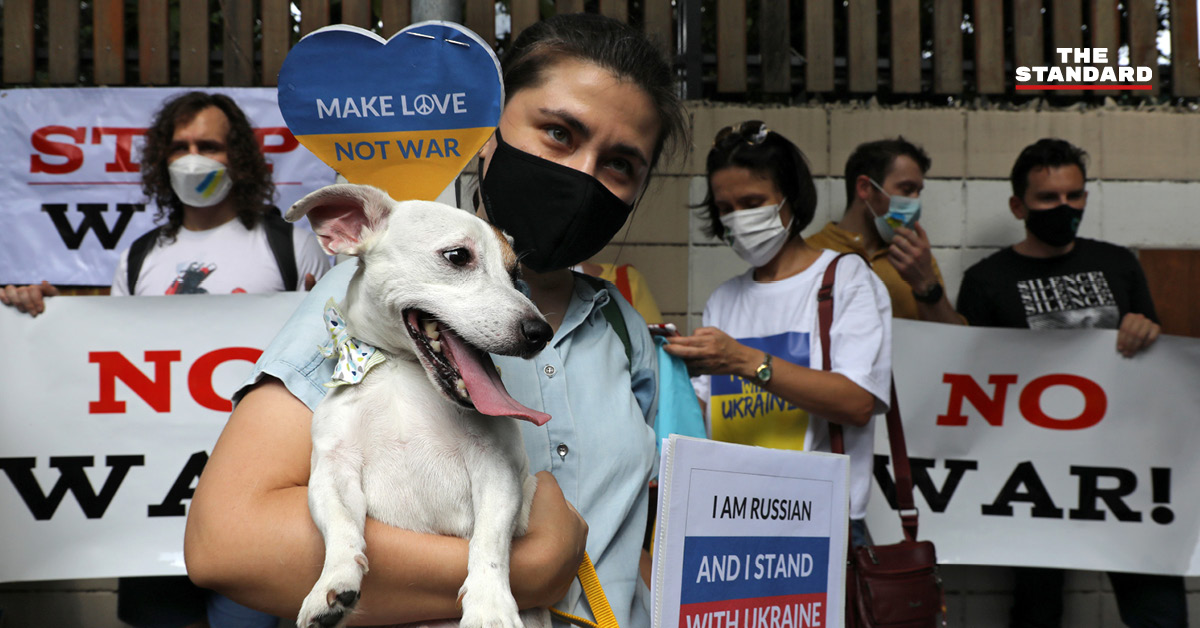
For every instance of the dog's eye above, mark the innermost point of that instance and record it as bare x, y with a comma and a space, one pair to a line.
458, 257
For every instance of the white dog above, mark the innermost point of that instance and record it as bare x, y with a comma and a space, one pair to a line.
434, 294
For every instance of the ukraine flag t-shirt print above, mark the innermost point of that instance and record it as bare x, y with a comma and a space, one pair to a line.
742, 412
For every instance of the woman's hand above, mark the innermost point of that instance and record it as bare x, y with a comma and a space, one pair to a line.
546, 559
710, 351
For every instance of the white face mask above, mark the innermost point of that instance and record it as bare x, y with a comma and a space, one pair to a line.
199, 181
756, 235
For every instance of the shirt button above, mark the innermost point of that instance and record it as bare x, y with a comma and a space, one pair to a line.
550, 370
562, 450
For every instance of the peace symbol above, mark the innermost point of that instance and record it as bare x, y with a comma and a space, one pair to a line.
423, 104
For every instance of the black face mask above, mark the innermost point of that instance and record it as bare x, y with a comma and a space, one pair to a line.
1056, 226
557, 215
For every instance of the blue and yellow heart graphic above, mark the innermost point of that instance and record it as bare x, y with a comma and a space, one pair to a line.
405, 115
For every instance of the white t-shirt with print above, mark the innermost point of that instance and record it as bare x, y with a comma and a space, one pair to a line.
222, 260
780, 318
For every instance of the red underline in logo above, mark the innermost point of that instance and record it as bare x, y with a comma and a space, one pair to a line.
125, 183
1058, 86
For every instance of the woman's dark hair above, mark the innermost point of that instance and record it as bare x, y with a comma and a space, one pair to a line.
1045, 153
610, 44
752, 146
253, 190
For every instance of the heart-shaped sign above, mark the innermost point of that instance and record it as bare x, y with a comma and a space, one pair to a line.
404, 115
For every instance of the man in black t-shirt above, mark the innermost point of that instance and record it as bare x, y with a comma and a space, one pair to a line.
1053, 280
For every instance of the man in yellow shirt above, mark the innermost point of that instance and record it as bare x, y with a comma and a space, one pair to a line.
884, 180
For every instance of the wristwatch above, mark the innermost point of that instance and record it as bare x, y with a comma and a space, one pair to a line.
763, 372
931, 296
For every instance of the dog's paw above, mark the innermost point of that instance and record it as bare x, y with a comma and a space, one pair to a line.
330, 612
488, 605
334, 597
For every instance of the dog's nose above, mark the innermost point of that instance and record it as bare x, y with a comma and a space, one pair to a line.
536, 333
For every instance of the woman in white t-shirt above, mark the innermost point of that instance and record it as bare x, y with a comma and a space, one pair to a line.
757, 359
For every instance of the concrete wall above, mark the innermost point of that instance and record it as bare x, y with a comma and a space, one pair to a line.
1144, 185
1144, 192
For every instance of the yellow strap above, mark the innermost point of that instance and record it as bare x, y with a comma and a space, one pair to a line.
595, 597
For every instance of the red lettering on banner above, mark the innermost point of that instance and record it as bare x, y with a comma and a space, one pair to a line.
964, 387
156, 393
287, 141
1095, 402
200, 375
42, 144
123, 158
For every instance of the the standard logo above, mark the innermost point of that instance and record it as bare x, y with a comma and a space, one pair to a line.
1084, 68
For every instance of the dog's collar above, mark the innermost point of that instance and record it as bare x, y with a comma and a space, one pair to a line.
354, 357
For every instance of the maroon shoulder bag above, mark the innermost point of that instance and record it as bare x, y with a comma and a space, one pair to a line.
887, 586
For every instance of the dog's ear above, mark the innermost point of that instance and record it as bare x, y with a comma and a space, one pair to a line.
344, 215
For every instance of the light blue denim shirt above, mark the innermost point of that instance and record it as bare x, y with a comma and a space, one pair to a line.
599, 443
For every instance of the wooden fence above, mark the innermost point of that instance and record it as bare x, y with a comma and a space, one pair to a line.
723, 48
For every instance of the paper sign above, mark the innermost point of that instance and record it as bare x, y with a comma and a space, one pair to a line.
405, 115
749, 536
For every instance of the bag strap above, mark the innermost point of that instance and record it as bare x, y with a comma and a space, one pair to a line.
612, 314
283, 247
595, 597
623, 282
901, 468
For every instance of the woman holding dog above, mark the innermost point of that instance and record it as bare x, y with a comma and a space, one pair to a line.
762, 326
590, 107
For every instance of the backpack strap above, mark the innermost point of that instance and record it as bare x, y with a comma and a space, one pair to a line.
283, 247
623, 282
137, 255
612, 313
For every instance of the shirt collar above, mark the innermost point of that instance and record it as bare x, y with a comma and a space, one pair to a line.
585, 301
850, 240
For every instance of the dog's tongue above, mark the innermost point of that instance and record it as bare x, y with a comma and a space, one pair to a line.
483, 382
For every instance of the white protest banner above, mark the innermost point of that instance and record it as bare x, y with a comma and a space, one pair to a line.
1047, 448
749, 536
1028, 448
73, 188
109, 407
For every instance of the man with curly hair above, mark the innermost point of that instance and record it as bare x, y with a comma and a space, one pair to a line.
203, 167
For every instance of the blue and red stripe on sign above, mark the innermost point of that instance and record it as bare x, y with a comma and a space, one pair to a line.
721, 568
791, 611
